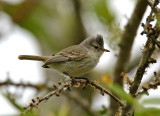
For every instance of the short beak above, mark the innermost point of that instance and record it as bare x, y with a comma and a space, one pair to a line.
104, 50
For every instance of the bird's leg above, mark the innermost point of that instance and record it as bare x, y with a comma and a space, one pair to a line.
72, 79
66, 76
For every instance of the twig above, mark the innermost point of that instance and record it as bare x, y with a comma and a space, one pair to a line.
62, 86
43, 86
108, 93
57, 91
35, 86
151, 4
151, 85
66, 86
156, 42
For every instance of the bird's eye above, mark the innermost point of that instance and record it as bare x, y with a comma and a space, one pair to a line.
96, 47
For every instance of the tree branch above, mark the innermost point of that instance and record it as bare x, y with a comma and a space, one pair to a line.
126, 45
66, 86
150, 85
151, 32
147, 52
151, 4
35, 86
44, 86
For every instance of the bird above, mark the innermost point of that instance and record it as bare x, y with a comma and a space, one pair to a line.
75, 60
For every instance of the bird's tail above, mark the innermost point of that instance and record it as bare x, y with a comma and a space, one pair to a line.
31, 57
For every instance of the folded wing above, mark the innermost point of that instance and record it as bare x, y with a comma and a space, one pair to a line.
73, 53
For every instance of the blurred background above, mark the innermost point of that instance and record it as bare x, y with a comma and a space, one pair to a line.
44, 27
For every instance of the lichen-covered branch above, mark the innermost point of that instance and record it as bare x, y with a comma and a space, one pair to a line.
127, 40
152, 32
152, 5
151, 85
126, 44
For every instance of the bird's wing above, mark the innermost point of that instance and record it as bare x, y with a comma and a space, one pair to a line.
73, 53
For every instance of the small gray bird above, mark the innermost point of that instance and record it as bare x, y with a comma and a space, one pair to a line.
75, 60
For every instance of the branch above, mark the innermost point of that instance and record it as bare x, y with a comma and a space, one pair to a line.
103, 90
66, 86
154, 8
146, 87
156, 42
151, 85
57, 91
35, 86
144, 63
44, 86
127, 40
126, 45
151, 32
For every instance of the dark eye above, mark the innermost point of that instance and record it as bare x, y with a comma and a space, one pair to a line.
96, 47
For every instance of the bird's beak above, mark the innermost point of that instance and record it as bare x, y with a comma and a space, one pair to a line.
104, 50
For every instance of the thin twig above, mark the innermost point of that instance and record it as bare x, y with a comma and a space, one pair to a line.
146, 87
57, 90
35, 86
151, 4
44, 86
156, 42
108, 93
66, 86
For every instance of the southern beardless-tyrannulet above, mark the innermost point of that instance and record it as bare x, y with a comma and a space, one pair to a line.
75, 60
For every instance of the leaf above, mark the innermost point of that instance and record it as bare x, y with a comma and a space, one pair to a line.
117, 90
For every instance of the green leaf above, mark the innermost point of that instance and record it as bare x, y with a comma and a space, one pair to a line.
117, 90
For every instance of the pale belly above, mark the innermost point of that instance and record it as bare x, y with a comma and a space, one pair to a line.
76, 68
